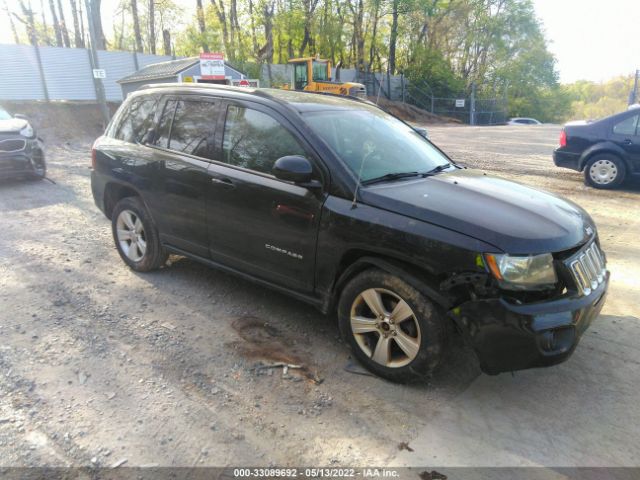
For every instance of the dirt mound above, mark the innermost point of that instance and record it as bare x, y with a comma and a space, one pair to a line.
62, 120
411, 113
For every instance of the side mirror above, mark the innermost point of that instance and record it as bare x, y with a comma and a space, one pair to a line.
421, 131
293, 168
20, 116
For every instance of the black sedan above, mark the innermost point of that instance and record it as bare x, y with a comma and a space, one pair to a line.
607, 151
21, 151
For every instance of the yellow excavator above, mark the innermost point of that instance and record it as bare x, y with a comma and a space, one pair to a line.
314, 75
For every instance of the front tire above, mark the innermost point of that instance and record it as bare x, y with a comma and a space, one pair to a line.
136, 236
392, 328
39, 166
604, 171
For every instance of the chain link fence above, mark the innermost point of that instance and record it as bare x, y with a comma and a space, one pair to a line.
466, 108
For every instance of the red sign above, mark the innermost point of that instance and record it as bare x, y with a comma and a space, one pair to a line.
244, 83
212, 66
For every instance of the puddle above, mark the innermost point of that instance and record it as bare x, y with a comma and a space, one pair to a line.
264, 342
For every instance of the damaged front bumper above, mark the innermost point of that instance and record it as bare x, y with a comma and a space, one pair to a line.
19, 160
508, 336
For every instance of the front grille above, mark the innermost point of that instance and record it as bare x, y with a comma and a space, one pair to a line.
588, 268
12, 145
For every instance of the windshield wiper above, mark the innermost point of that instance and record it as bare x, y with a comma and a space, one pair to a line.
391, 176
437, 169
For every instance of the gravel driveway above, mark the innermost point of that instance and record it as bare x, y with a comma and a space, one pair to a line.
101, 365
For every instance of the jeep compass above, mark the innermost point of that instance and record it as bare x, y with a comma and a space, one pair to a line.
339, 204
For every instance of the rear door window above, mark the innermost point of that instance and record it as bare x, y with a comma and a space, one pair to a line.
189, 126
628, 126
137, 121
164, 126
255, 140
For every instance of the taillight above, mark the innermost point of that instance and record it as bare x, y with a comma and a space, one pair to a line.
563, 138
93, 155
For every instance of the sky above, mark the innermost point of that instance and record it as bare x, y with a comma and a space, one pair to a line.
591, 39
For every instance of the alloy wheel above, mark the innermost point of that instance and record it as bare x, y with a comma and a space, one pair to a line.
131, 236
385, 327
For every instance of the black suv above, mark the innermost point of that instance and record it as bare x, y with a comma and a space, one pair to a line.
607, 150
342, 205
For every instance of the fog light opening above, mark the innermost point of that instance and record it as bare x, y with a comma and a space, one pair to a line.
557, 340
549, 340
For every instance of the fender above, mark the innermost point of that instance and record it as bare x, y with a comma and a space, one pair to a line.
413, 276
113, 192
602, 147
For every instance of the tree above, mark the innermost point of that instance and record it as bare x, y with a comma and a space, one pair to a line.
201, 24
166, 41
28, 20
136, 25
152, 27
94, 16
309, 7
393, 39
78, 39
56, 24
63, 26
8, 14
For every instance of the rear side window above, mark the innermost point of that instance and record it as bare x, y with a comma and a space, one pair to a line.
188, 126
164, 126
628, 126
137, 121
254, 140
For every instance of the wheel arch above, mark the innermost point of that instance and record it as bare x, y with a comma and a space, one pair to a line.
602, 148
354, 262
114, 192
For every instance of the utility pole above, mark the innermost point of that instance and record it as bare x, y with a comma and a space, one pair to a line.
100, 96
472, 106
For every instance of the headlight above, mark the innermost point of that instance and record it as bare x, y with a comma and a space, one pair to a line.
522, 272
27, 131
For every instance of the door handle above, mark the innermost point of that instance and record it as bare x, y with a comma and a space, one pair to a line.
626, 141
224, 182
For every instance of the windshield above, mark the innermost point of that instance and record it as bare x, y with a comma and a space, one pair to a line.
374, 144
4, 115
320, 71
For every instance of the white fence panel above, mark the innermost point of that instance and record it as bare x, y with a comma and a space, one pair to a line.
19, 75
68, 73
117, 65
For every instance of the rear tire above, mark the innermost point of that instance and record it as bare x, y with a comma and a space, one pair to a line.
392, 329
604, 171
136, 236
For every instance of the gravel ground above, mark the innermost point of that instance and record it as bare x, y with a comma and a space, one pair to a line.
99, 364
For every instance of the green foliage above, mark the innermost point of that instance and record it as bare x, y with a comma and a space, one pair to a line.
431, 71
445, 46
590, 100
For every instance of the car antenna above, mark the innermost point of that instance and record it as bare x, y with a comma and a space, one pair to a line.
354, 203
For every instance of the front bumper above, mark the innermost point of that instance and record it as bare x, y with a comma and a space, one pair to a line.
20, 162
508, 337
565, 159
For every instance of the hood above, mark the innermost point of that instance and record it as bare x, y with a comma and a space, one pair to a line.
514, 218
12, 125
